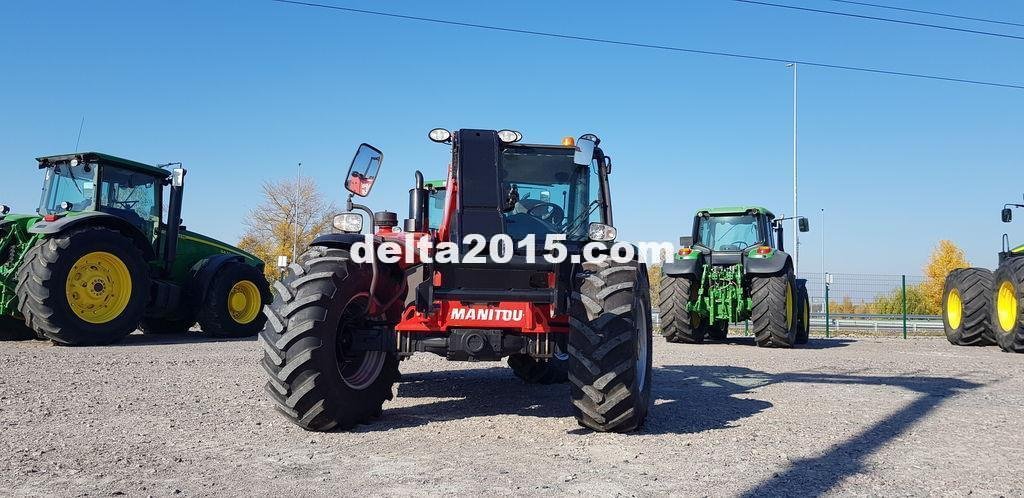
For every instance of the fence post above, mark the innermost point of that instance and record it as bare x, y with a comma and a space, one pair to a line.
904, 285
828, 321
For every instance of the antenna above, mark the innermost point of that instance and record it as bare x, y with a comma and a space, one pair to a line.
79, 140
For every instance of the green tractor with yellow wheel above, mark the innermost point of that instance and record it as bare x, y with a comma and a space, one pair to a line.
102, 257
981, 307
734, 268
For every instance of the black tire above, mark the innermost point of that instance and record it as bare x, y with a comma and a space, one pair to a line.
803, 316
164, 326
534, 371
610, 346
774, 312
43, 277
677, 323
967, 307
1008, 305
303, 356
719, 331
216, 316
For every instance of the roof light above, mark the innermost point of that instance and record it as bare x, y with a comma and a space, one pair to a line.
509, 136
4, 209
440, 135
569, 142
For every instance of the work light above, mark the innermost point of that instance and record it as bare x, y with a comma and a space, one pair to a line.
349, 222
440, 135
509, 136
601, 232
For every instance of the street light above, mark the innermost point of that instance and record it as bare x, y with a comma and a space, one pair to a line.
796, 214
295, 211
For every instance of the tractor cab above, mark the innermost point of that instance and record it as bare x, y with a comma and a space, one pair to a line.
92, 182
727, 233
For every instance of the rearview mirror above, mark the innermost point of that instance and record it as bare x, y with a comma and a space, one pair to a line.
803, 224
686, 241
584, 151
1007, 215
362, 173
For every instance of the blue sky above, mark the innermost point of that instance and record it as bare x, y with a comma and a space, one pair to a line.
240, 91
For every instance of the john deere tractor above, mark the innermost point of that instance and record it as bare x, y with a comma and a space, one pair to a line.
101, 257
980, 307
732, 269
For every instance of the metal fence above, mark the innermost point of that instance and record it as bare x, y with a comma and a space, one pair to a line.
863, 304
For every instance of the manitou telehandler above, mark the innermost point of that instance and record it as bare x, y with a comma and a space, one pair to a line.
734, 268
337, 328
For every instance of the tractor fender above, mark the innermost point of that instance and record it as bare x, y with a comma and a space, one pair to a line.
778, 263
338, 240
202, 273
97, 218
684, 268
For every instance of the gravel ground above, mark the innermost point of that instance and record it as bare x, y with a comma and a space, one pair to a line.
188, 416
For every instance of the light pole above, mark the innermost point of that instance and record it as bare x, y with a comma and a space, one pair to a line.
823, 249
295, 213
796, 214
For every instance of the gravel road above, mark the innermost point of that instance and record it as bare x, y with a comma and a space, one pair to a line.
187, 416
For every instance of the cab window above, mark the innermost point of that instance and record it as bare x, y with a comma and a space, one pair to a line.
132, 196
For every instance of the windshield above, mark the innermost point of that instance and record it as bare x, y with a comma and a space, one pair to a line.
66, 183
728, 233
555, 196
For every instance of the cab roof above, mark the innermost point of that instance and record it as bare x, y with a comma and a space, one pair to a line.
737, 210
105, 159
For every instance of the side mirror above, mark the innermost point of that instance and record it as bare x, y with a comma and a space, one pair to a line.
803, 224
362, 173
584, 151
686, 241
1007, 215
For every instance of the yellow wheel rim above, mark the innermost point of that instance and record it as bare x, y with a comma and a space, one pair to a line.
807, 315
954, 309
1006, 306
98, 287
244, 302
789, 306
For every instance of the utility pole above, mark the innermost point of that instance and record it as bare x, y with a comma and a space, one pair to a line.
823, 250
796, 213
295, 212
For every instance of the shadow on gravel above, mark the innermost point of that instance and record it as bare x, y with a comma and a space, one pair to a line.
814, 343
810, 476
687, 403
192, 337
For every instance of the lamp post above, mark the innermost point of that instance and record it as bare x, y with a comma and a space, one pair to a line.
295, 211
796, 214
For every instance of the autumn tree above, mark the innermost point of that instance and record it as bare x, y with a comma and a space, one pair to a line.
292, 212
945, 258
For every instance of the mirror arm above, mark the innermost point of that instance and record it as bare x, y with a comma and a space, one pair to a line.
374, 307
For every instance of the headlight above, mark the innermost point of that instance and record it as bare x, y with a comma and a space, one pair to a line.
349, 222
440, 135
509, 136
601, 232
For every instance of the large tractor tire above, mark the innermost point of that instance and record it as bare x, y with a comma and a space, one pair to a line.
677, 323
534, 371
719, 331
967, 307
234, 301
774, 311
85, 287
312, 377
1008, 305
803, 316
610, 350
165, 326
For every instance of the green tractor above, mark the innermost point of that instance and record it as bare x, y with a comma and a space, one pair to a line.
101, 257
981, 307
732, 269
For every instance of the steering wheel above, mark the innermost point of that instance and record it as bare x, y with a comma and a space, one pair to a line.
546, 211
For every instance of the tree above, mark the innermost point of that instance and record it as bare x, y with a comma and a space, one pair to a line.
287, 205
945, 258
